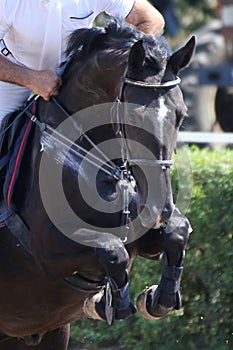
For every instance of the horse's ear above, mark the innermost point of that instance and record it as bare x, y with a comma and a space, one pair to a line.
181, 58
136, 58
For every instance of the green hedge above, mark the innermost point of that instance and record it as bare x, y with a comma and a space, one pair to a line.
205, 321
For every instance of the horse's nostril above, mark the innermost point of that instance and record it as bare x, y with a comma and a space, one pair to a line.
152, 216
149, 216
145, 211
167, 212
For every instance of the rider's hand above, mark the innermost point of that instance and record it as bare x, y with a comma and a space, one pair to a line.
45, 83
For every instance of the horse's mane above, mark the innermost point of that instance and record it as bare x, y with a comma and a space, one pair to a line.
115, 39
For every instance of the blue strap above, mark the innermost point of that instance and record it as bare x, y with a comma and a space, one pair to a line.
4, 161
121, 297
62, 68
5, 215
117, 300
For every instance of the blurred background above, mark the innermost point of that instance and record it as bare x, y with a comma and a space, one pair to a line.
208, 82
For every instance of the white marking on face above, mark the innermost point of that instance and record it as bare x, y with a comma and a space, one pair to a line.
162, 108
162, 112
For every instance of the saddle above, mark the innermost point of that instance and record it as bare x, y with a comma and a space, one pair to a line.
14, 135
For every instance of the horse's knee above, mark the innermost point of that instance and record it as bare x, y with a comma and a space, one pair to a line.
178, 223
109, 251
115, 257
113, 254
177, 232
184, 230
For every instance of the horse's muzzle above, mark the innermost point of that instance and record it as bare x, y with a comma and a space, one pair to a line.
167, 212
153, 217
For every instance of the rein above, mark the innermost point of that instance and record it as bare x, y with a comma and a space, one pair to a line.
110, 168
4, 339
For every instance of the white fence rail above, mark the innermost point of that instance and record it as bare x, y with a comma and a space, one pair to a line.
205, 137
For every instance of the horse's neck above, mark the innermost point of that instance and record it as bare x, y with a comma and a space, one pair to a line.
81, 90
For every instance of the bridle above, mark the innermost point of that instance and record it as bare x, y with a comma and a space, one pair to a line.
144, 84
164, 163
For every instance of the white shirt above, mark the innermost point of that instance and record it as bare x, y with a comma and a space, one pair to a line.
33, 43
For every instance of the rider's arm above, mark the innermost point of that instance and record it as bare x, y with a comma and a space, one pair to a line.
146, 18
44, 83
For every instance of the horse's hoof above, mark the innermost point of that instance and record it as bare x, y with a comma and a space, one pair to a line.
90, 304
143, 304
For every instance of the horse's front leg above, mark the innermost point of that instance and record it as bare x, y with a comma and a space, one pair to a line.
156, 301
113, 301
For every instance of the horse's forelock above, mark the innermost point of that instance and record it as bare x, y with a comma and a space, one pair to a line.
117, 38
81, 41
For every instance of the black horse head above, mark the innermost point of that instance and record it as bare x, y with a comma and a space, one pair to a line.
151, 116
